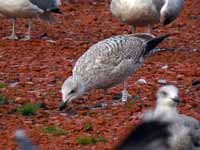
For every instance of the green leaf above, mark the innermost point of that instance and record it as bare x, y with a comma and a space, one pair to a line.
87, 126
84, 140
27, 109
55, 130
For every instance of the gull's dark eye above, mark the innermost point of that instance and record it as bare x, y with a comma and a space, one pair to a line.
164, 93
72, 91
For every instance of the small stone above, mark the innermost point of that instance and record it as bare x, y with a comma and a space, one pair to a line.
165, 67
13, 84
180, 77
51, 41
162, 81
141, 81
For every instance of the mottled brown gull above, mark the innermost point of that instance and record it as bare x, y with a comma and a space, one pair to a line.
185, 130
146, 12
28, 9
108, 63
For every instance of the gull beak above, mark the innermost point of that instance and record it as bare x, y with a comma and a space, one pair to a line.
176, 99
62, 106
64, 101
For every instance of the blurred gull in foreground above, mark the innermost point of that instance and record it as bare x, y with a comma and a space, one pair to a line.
184, 130
163, 128
23, 141
107, 63
28, 9
146, 12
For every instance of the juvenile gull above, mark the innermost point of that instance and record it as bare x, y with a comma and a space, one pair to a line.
184, 130
108, 63
28, 9
146, 12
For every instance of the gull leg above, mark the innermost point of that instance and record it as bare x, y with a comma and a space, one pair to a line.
125, 92
28, 36
104, 94
150, 29
105, 103
13, 35
133, 29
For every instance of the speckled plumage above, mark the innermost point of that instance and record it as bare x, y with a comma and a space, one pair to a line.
108, 63
116, 58
185, 130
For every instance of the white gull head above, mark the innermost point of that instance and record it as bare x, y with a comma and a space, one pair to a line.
168, 96
72, 88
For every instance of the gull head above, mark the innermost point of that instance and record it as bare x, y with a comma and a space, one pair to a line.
72, 88
168, 96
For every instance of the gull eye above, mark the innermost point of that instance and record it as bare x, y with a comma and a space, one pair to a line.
164, 93
73, 91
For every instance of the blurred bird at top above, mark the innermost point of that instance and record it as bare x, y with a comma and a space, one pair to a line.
28, 9
139, 13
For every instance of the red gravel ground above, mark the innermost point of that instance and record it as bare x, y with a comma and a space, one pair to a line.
35, 70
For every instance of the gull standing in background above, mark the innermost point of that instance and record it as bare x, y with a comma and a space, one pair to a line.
146, 12
107, 63
184, 130
28, 9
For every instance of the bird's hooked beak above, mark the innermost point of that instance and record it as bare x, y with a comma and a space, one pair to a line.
64, 101
176, 99
62, 105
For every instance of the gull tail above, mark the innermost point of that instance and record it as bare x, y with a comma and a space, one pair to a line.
149, 135
23, 140
151, 44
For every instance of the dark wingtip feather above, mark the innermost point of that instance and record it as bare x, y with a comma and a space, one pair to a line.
151, 44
